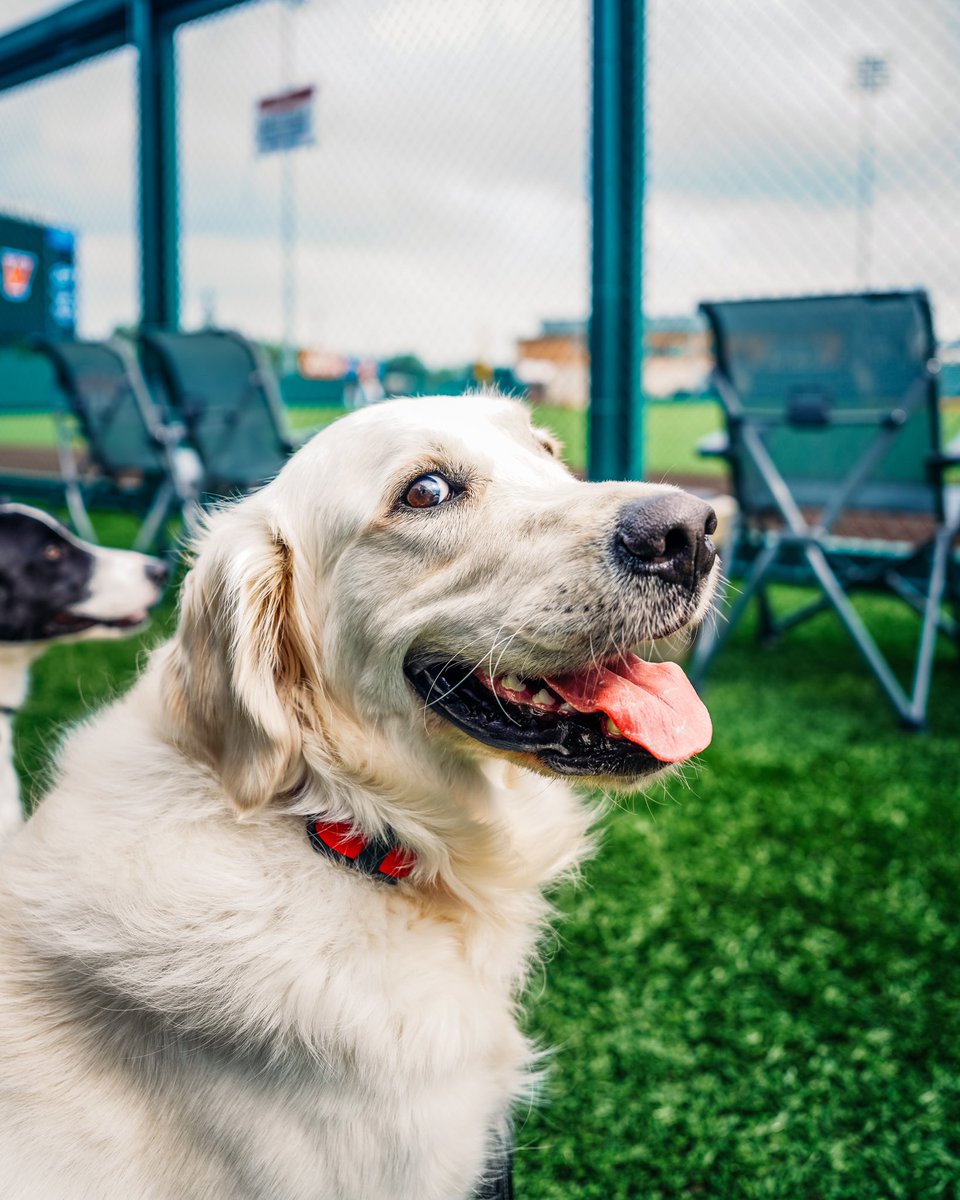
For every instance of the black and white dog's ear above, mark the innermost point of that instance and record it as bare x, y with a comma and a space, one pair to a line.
236, 668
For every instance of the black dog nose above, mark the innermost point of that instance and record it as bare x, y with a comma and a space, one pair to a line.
157, 572
667, 536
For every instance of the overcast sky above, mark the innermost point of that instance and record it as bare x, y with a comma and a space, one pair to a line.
444, 208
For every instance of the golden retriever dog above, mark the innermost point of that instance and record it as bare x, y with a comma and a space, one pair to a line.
267, 935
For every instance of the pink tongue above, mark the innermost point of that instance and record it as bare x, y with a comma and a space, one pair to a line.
652, 704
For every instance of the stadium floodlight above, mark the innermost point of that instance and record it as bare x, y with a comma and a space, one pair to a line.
871, 75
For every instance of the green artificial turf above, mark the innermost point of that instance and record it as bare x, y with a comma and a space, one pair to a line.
312, 419
27, 429
755, 991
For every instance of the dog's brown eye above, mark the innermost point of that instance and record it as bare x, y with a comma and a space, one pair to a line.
52, 552
428, 491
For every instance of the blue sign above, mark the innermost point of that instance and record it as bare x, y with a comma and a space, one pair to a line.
285, 122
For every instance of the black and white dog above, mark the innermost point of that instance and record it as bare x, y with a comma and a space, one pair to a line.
56, 587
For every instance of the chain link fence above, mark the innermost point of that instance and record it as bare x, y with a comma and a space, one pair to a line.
68, 159
442, 212
798, 147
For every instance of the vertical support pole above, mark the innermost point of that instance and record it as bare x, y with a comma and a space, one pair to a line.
865, 176
618, 178
288, 202
288, 243
156, 79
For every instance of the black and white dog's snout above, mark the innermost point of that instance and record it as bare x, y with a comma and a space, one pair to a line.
157, 572
667, 537
55, 585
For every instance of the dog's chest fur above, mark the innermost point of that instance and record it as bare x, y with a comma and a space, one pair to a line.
391, 1107
15, 664
221, 1005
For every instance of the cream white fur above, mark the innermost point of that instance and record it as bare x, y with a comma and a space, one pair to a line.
195, 1004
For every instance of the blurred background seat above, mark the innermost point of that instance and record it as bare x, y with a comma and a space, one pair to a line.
831, 404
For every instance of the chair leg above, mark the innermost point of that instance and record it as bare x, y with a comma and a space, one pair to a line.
767, 628
192, 512
917, 599
953, 586
70, 474
155, 517
928, 632
78, 512
861, 636
712, 638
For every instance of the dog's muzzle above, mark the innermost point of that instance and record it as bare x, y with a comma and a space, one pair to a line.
666, 537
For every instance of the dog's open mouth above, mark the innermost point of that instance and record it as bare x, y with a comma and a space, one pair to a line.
66, 623
629, 717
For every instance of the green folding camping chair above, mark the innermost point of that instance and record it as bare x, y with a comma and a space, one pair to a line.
224, 390
831, 404
135, 454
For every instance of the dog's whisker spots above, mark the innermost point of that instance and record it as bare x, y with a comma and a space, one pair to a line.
494, 669
493, 645
431, 700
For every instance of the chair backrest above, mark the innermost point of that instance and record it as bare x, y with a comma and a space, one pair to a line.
226, 393
816, 360
28, 382
116, 414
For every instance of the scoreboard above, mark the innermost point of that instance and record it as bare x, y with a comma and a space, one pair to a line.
37, 281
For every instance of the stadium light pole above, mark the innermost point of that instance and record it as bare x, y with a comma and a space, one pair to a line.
288, 198
872, 74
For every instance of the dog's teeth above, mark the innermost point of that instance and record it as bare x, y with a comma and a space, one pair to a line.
512, 683
545, 698
566, 708
610, 728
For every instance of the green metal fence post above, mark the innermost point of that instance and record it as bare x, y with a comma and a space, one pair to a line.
159, 253
618, 176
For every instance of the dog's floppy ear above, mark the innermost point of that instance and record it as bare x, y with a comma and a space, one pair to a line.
234, 675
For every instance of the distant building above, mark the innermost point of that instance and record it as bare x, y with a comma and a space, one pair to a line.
949, 355
677, 359
555, 363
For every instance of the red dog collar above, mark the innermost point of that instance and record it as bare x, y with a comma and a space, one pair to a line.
380, 858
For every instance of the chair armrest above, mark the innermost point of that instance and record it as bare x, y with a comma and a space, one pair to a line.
949, 456
169, 433
714, 445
